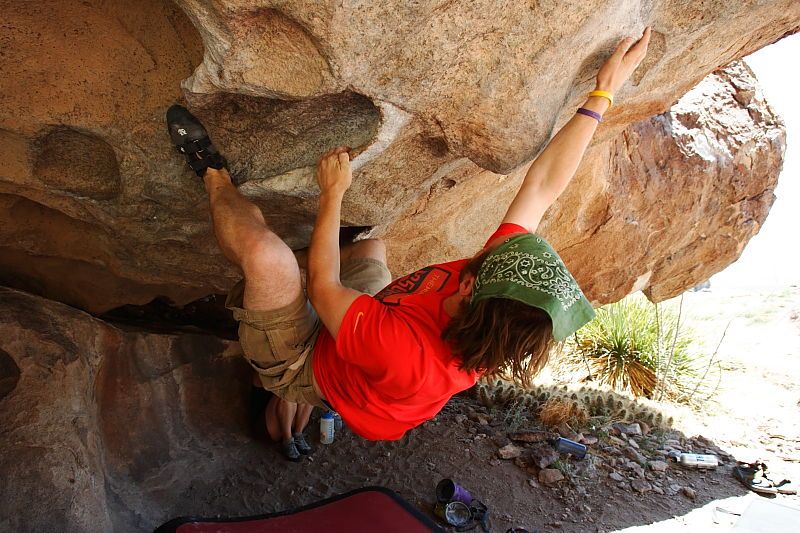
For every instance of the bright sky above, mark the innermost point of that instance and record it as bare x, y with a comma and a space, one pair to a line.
771, 259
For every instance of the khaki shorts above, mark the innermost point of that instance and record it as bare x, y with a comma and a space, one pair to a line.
279, 344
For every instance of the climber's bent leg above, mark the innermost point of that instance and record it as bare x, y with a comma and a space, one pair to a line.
364, 266
272, 277
278, 327
366, 249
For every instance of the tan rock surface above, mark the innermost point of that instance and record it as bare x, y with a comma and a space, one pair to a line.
454, 62
98, 211
669, 202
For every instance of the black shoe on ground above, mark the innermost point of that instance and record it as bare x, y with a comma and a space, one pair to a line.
302, 446
191, 139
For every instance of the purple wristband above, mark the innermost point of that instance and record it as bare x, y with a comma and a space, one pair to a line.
590, 113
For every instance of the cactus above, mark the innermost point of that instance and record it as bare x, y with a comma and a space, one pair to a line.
586, 401
485, 397
499, 394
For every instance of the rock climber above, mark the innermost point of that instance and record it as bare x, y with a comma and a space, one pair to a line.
388, 355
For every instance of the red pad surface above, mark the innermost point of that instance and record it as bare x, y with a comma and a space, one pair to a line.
366, 510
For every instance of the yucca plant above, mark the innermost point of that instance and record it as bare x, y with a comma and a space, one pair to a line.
633, 345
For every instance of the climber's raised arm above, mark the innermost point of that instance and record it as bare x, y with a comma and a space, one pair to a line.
551, 172
325, 290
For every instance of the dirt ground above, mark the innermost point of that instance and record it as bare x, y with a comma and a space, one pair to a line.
453, 446
756, 411
753, 415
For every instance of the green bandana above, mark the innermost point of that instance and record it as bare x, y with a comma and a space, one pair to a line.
527, 269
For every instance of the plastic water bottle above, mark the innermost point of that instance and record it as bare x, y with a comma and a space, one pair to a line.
326, 429
698, 460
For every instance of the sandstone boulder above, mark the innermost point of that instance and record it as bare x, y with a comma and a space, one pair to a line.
492, 80
436, 99
670, 201
97, 421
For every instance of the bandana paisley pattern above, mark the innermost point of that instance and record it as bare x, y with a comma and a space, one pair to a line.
542, 271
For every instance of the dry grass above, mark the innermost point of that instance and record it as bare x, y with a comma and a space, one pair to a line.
557, 411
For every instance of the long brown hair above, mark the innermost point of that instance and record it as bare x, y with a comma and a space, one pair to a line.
499, 336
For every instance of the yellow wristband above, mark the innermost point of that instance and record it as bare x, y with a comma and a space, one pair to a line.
604, 94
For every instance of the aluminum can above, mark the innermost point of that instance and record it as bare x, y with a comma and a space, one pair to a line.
575, 449
448, 491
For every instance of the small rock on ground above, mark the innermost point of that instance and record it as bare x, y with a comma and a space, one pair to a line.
657, 466
626, 429
641, 486
617, 441
550, 476
637, 469
509, 451
543, 455
633, 454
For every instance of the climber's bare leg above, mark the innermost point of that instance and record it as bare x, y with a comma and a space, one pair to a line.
286, 414
271, 417
272, 277
281, 417
368, 248
301, 418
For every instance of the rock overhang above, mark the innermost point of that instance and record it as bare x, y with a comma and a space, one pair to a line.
430, 95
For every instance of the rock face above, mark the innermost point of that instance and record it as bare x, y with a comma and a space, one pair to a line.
95, 419
436, 99
670, 201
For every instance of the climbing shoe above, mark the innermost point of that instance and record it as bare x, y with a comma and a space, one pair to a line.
302, 446
290, 451
191, 139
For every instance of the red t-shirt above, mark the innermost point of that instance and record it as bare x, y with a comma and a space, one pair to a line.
389, 370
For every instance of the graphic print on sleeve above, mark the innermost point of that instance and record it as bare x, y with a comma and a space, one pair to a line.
428, 279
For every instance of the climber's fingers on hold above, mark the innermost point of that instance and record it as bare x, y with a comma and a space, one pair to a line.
334, 155
637, 52
622, 49
325, 157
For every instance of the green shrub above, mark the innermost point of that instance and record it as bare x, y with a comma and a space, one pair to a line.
636, 346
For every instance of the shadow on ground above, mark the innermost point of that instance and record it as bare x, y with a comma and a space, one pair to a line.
111, 429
